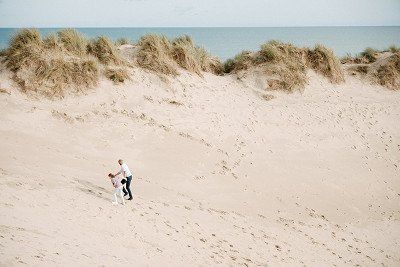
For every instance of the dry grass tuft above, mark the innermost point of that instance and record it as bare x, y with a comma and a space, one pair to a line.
209, 63
185, 55
369, 54
117, 75
122, 41
105, 51
324, 61
285, 65
388, 74
394, 49
158, 54
241, 61
73, 41
44, 66
51, 42
25, 47
154, 53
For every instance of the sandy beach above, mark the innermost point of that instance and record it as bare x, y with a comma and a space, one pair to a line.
224, 173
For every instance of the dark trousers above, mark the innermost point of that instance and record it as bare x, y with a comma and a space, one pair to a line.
128, 187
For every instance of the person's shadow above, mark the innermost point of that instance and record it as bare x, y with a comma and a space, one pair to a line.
94, 190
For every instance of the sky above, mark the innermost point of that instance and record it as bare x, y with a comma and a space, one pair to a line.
200, 13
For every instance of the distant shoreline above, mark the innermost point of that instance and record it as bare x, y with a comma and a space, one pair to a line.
226, 42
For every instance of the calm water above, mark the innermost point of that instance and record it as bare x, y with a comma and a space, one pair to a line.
226, 42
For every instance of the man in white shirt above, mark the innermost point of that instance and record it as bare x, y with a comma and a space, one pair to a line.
128, 175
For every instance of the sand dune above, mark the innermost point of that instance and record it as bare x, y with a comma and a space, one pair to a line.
224, 173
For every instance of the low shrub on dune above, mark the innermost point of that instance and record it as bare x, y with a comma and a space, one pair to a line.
105, 51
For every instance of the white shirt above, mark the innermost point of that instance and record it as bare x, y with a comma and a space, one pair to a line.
124, 168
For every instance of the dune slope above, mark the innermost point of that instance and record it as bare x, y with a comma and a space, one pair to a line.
224, 172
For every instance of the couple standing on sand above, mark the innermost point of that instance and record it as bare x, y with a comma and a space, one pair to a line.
119, 184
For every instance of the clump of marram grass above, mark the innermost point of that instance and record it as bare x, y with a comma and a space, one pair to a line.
158, 54
209, 63
288, 77
25, 47
194, 58
282, 63
51, 42
348, 58
285, 65
388, 73
122, 41
324, 61
369, 54
46, 67
105, 51
241, 61
73, 41
185, 55
117, 75
394, 49
154, 53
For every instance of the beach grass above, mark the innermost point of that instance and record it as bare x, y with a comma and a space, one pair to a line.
388, 73
322, 60
69, 61
47, 66
117, 75
285, 65
154, 53
105, 51
122, 41
73, 41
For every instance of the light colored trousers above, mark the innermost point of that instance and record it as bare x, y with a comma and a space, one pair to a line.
118, 191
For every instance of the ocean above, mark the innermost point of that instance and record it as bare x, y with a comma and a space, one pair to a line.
227, 42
